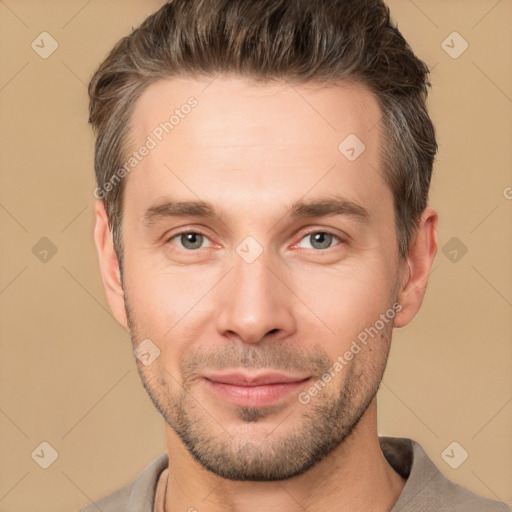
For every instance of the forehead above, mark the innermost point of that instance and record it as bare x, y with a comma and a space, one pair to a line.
264, 113
260, 143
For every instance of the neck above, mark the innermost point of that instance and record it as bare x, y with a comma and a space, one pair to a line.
354, 477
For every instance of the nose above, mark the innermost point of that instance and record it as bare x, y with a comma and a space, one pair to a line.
256, 302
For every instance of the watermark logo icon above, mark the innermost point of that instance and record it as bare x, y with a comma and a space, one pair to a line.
146, 352
249, 249
44, 455
454, 45
454, 249
44, 45
44, 250
454, 455
352, 147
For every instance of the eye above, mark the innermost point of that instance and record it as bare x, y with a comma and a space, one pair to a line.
193, 240
189, 240
319, 239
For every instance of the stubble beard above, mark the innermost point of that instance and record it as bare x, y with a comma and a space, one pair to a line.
288, 450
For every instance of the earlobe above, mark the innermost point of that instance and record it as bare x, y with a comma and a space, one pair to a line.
422, 252
109, 264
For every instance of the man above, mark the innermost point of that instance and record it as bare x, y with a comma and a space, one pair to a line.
262, 225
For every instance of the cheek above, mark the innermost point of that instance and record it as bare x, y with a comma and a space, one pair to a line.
346, 298
168, 307
151, 306
163, 298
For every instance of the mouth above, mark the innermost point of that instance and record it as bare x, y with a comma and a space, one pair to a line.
254, 390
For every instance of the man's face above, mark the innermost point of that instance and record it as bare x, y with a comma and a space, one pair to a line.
262, 288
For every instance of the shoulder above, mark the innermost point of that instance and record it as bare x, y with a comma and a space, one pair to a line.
456, 498
426, 487
137, 495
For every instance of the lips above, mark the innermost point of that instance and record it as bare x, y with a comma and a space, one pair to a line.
253, 390
242, 379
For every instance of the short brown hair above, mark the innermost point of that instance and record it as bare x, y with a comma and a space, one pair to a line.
299, 41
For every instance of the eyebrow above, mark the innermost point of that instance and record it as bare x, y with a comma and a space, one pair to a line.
322, 207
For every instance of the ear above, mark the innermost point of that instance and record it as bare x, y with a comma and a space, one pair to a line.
109, 265
422, 252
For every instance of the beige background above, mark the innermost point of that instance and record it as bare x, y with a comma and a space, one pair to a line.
68, 376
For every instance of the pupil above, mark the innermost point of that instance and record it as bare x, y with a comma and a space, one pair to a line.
322, 238
193, 239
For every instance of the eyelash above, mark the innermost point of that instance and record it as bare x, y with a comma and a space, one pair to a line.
304, 235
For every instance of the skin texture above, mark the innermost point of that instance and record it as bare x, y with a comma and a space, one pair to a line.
252, 151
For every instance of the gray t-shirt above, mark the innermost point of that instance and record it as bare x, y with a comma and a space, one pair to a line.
426, 489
